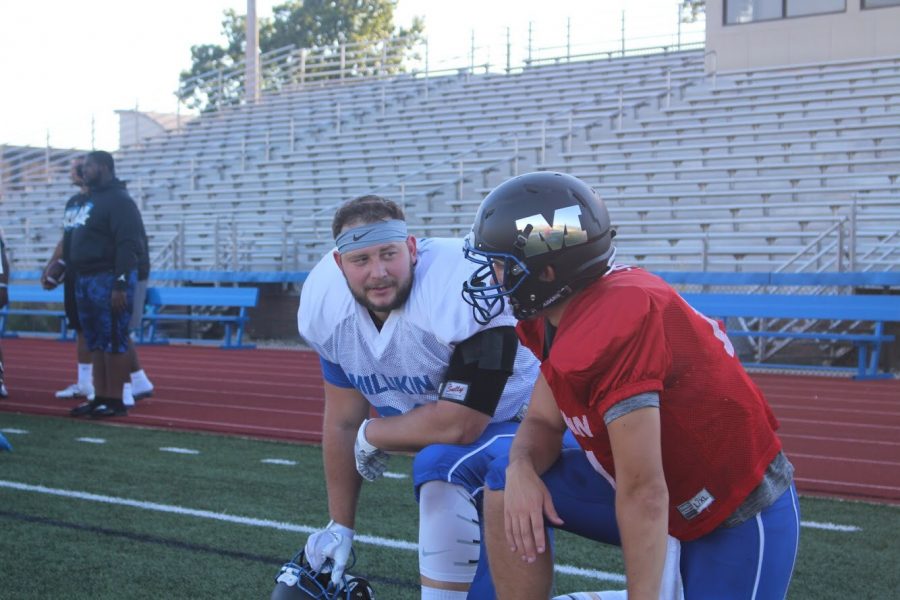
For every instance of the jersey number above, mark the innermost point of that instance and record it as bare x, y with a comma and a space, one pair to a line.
717, 331
720, 335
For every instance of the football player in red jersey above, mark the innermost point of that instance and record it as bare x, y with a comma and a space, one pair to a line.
675, 436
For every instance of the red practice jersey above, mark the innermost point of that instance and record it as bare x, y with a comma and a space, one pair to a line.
630, 333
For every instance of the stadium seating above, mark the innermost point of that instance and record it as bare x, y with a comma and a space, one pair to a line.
777, 169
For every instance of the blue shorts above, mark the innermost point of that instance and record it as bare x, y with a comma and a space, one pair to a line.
103, 330
463, 465
752, 560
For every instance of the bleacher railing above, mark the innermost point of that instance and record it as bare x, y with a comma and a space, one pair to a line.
171, 255
291, 67
23, 166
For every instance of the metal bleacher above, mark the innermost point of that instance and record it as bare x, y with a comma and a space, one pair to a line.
777, 169
758, 173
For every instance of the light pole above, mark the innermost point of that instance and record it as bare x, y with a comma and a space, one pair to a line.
251, 61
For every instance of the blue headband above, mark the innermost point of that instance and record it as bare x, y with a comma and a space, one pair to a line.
370, 234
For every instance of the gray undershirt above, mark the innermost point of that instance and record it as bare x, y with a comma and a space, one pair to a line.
775, 481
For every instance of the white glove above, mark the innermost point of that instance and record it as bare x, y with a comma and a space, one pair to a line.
331, 544
370, 461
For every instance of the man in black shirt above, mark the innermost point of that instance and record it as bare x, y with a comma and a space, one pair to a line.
56, 271
106, 243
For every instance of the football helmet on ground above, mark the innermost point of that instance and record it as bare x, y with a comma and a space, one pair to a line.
528, 223
298, 581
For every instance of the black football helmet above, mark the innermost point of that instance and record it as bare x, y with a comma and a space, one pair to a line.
527, 223
298, 581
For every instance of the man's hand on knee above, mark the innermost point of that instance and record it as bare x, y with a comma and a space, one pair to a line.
370, 461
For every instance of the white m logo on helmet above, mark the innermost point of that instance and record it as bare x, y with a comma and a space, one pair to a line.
543, 237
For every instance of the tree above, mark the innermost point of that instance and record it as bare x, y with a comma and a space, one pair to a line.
214, 79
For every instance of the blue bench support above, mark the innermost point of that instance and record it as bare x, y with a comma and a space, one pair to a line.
21, 294
160, 298
876, 309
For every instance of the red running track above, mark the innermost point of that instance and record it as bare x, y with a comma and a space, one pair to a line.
843, 436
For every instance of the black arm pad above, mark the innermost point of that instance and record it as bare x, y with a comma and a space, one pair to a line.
479, 368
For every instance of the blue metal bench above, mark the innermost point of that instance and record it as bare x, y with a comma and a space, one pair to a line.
161, 298
875, 309
21, 295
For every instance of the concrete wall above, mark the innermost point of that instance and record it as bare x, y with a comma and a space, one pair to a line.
853, 34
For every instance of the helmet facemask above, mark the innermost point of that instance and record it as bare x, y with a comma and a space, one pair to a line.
489, 301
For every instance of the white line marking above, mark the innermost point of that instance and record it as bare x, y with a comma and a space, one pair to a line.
391, 475
605, 575
281, 526
179, 450
278, 461
15, 431
762, 553
90, 440
830, 526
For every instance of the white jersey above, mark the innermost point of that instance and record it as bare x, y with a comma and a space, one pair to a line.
402, 365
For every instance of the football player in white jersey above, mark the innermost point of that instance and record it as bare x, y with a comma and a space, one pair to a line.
385, 313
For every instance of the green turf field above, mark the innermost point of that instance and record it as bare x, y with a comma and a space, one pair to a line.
159, 514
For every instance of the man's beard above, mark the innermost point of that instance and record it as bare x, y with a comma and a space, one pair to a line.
399, 299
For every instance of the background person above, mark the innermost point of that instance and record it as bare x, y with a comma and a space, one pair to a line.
105, 248
139, 386
4, 300
58, 268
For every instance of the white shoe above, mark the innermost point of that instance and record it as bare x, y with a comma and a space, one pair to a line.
76, 391
127, 396
142, 393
